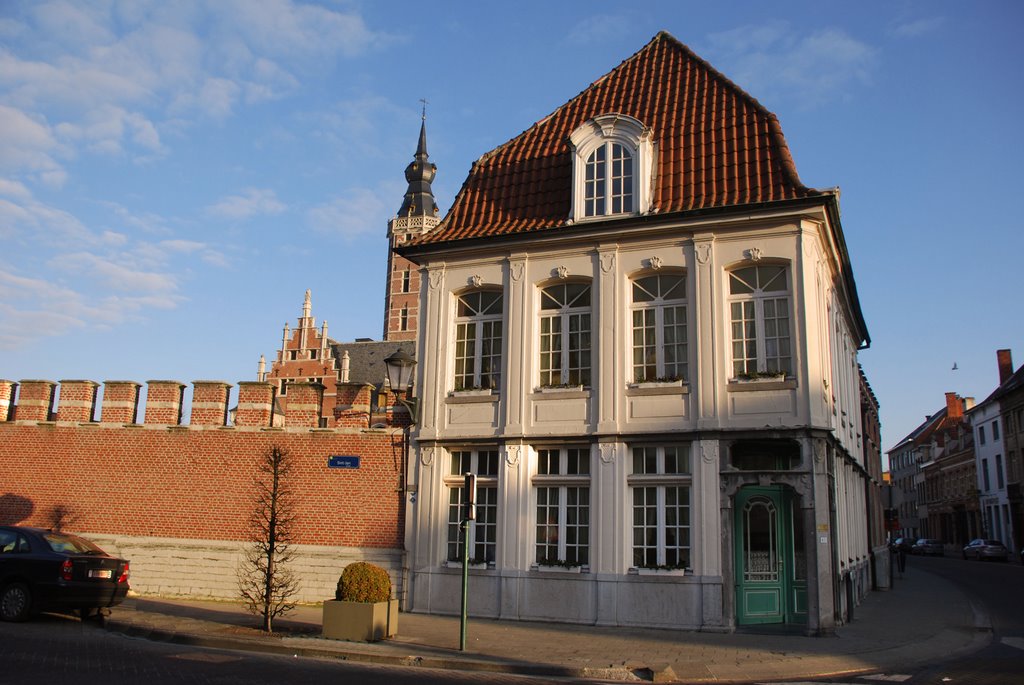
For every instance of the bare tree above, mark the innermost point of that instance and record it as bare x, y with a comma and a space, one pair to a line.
265, 582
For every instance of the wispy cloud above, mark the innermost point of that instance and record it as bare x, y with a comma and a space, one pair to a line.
357, 213
599, 28
778, 62
252, 202
918, 27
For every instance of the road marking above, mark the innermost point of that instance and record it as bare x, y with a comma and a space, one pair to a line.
207, 657
895, 678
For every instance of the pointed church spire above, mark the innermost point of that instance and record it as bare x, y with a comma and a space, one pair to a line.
419, 197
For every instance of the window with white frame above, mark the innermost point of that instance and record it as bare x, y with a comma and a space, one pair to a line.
659, 328
660, 487
565, 334
483, 532
478, 337
613, 167
759, 314
562, 489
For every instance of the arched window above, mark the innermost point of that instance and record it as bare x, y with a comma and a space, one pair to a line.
609, 181
659, 328
613, 167
565, 334
478, 328
759, 314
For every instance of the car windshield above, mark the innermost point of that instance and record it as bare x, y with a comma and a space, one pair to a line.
70, 544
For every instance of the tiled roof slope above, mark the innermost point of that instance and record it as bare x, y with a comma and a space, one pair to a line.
717, 147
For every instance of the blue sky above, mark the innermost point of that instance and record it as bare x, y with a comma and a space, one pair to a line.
174, 176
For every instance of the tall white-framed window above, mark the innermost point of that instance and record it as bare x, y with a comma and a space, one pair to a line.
483, 532
660, 484
565, 334
562, 493
478, 338
659, 327
613, 167
760, 320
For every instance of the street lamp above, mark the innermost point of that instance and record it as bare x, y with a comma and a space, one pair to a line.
400, 366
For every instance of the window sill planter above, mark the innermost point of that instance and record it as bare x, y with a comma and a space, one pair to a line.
657, 388
473, 566
472, 392
657, 384
661, 571
554, 389
360, 621
558, 569
761, 383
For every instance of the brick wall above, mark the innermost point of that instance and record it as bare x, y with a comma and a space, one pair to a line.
176, 499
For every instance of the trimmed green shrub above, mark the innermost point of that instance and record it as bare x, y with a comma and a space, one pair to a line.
363, 582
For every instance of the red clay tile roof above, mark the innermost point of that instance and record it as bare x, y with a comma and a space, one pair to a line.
716, 145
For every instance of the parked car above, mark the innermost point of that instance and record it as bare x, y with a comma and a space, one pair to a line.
926, 546
43, 570
985, 549
901, 545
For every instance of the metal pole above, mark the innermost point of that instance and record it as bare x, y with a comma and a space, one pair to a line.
465, 583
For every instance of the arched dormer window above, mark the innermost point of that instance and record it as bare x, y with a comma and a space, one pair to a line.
613, 167
478, 328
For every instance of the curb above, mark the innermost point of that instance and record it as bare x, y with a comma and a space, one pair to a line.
409, 661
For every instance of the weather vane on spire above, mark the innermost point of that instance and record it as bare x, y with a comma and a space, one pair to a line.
424, 101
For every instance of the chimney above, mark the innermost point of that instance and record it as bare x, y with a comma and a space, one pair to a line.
954, 406
1005, 361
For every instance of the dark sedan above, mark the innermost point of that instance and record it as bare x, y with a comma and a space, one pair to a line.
982, 549
927, 546
42, 570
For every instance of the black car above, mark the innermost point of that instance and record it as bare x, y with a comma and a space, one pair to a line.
42, 570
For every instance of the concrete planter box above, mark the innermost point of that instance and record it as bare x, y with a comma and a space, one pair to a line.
360, 621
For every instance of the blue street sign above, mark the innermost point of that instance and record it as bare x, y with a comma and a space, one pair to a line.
342, 462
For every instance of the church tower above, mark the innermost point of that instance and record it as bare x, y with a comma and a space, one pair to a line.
417, 215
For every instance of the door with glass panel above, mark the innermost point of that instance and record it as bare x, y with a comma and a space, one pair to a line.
771, 578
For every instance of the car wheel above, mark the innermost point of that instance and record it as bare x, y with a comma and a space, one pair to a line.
15, 602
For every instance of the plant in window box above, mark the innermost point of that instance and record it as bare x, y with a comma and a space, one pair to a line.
761, 376
552, 564
560, 387
474, 562
661, 569
659, 381
362, 609
472, 390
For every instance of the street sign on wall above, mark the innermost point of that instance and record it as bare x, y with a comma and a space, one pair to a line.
342, 462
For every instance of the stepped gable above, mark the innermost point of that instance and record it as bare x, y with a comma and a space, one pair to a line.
717, 147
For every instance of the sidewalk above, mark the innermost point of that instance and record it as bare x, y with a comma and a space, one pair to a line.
923, 619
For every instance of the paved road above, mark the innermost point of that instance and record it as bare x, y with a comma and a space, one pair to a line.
58, 650
995, 588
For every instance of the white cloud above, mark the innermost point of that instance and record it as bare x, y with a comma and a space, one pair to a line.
778, 62
596, 29
360, 212
253, 202
28, 147
115, 276
918, 27
14, 189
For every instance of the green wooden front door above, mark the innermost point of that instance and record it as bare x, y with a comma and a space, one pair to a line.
771, 574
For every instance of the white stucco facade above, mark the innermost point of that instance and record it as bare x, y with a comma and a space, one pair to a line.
711, 416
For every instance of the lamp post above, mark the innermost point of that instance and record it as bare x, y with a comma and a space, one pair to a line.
400, 366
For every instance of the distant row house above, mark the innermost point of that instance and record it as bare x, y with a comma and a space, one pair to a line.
957, 476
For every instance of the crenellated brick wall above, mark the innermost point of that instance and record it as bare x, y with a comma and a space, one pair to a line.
150, 489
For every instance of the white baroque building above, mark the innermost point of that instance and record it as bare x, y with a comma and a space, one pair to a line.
640, 331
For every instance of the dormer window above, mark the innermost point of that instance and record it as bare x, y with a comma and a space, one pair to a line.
613, 166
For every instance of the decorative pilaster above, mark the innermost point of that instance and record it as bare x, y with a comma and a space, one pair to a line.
210, 403
120, 402
163, 402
